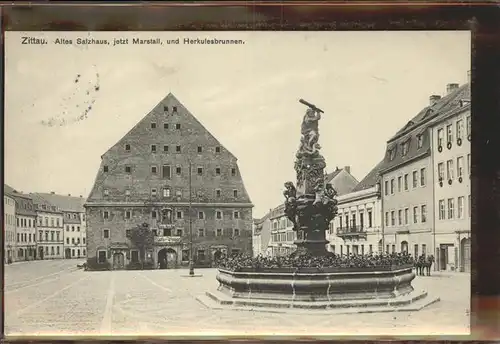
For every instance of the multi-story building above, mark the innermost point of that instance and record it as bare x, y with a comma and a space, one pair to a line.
451, 161
262, 236
9, 225
75, 231
408, 181
170, 173
357, 229
50, 236
282, 234
25, 226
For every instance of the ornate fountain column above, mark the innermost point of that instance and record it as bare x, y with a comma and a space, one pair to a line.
312, 205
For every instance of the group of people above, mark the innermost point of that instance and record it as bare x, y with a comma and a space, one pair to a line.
331, 260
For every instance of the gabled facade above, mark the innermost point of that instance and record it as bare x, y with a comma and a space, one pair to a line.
172, 174
75, 233
408, 182
451, 161
357, 229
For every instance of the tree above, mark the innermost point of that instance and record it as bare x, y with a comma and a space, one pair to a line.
142, 237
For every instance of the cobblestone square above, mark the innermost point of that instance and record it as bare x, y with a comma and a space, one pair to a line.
56, 298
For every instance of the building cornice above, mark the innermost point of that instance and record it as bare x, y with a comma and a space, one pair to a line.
168, 204
359, 195
422, 155
455, 112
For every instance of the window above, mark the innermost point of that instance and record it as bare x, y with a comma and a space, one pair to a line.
233, 171
449, 133
392, 186
73, 241
441, 171
468, 122
451, 209
392, 153
406, 146
128, 233
423, 213
415, 179
105, 168
153, 214
217, 171
77, 228
370, 219
127, 147
178, 194
178, 126
470, 206
393, 218
440, 137
106, 193
177, 149
165, 125
201, 254
174, 108
134, 256
153, 125
235, 193
179, 215
72, 228
153, 148
105, 214
460, 166
128, 214
128, 169
449, 169
422, 176
460, 207
236, 232
101, 257
127, 192
165, 148
415, 214
406, 181
460, 129
442, 210
468, 164
424, 249
201, 215
200, 171
217, 149
420, 141
386, 220
400, 182
154, 170
200, 149
400, 217
386, 187
153, 192
166, 192
201, 232
166, 172
67, 241
362, 220
106, 233
407, 215
178, 170
218, 215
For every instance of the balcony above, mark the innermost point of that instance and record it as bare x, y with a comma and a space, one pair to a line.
352, 232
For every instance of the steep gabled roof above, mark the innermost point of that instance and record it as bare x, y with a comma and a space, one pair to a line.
370, 179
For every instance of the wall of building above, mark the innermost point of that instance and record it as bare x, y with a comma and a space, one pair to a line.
74, 235
452, 191
403, 222
363, 235
25, 237
50, 235
9, 225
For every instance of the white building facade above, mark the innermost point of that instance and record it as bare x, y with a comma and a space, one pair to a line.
451, 156
9, 228
50, 235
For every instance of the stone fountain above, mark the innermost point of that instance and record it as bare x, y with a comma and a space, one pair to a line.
311, 206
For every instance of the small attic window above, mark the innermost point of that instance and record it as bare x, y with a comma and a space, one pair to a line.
153, 125
127, 147
217, 149
165, 108
405, 147
174, 108
105, 168
392, 153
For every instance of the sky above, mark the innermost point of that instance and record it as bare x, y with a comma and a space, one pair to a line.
369, 85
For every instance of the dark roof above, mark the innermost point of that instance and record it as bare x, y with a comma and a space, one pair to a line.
370, 179
419, 125
330, 176
40, 200
64, 203
10, 191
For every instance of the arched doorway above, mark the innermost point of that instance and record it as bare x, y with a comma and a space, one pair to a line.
404, 246
67, 253
118, 261
20, 253
465, 255
167, 258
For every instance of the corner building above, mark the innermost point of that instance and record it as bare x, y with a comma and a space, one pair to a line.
169, 172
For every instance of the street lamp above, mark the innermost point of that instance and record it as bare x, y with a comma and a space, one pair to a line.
191, 263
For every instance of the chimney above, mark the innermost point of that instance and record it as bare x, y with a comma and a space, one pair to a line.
450, 88
347, 169
433, 99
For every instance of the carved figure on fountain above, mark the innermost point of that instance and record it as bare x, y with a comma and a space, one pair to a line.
290, 194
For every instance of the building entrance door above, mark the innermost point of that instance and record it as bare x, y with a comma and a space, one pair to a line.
171, 258
465, 255
443, 257
118, 261
67, 253
40, 252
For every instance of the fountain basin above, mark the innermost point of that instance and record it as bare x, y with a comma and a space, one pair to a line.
356, 289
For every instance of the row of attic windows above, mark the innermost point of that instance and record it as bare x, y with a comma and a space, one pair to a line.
166, 149
167, 174
405, 146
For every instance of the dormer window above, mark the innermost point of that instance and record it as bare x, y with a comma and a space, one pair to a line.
174, 108
405, 147
153, 125
217, 149
420, 141
127, 147
165, 108
106, 193
178, 126
392, 153
105, 168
